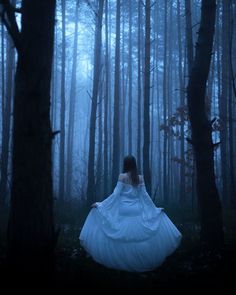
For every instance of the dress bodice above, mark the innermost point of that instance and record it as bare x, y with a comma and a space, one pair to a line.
130, 191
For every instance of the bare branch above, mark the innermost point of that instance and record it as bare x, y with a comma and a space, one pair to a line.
213, 121
215, 145
54, 133
189, 140
10, 22
89, 94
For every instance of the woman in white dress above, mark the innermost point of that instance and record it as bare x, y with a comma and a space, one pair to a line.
127, 231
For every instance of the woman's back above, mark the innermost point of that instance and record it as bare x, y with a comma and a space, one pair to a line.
126, 178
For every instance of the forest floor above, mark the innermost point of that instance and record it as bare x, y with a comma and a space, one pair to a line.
188, 269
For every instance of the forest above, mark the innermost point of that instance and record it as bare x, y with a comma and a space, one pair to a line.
83, 83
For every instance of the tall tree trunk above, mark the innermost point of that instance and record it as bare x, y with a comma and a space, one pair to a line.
71, 127
232, 90
223, 102
165, 197
2, 72
189, 34
190, 54
31, 238
116, 123
63, 107
146, 105
99, 175
7, 121
92, 128
106, 101
54, 101
182, 105
130, 140
169, 102
208, 197
123, 98
139, 98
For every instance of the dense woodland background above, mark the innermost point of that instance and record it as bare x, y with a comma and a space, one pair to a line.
84, 83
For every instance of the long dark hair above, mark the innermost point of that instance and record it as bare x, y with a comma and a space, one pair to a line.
129, 165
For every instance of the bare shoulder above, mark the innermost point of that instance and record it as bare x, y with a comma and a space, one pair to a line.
141, 179
122, 177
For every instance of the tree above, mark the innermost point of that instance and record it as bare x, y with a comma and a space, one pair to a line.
31, 237
232, 94
139, 93
189, 34
116, 123
208, 197
146, 105
31, 224
130, 70
166, 197
7, 108
63, 106
70, 138
224, 98
106, 102
182, 103
92, 129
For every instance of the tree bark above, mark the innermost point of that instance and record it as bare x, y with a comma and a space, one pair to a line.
31, 238
6, 134
232, 97
63, 107
189, 34
182, 198
224, 101
2, 72
139, 98
106, 102
146, 105
165, 196
130, 69
71, 127
208, 197
116, 123
92, 129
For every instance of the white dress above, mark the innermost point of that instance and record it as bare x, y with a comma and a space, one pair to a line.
128, 232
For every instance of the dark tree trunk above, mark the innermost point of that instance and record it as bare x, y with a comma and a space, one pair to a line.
99, 162
124, 134
208, 197
116, 123
190, 54
139, 98
223, 101
31, 238
2, 72
182, 104
71, 127
146, 105
232, 97
7, 105
130, 69
92, 129
165, 196
63, 107
189, 34
106, 101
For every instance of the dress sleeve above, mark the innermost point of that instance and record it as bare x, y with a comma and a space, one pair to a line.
149, 209
109, 210
114, 197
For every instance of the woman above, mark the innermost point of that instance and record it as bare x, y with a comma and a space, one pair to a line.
127, 231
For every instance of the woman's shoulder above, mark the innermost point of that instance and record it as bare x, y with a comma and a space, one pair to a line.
124, 177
